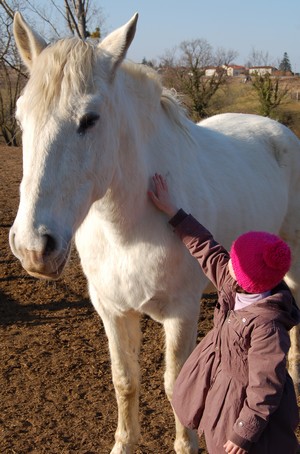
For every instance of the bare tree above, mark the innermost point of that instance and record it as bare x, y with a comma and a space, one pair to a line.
169, 59
11, 84
79, 16
196, 54
269, 92
225, 57
76, 11
259, 58
186, 73
7, 8
12, 78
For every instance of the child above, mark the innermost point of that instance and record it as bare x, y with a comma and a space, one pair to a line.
235, 387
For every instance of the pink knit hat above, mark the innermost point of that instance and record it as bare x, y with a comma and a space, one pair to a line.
259, 260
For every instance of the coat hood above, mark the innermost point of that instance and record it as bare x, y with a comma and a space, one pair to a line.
280, 306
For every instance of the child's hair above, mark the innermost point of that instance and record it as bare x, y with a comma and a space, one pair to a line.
259, 260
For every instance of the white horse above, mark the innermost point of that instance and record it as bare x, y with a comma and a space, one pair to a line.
95, 129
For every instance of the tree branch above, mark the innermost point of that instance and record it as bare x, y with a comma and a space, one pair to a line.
71, 20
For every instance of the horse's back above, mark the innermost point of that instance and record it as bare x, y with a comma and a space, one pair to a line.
256, 133
248, 125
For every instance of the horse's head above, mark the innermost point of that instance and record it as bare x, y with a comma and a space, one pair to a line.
65, 114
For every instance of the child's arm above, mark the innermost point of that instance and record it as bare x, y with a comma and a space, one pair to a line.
211, 256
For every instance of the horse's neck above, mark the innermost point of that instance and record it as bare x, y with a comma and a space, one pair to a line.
126, 199
124, 202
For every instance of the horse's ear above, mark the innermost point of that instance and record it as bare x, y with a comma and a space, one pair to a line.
30, 44
117, 43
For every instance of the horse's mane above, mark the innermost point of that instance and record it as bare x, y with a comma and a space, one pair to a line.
68, 64
152, 88
173, 107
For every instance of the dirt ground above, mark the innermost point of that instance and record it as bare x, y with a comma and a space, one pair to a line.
56, 393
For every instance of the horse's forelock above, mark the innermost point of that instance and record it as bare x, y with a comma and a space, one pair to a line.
62, 68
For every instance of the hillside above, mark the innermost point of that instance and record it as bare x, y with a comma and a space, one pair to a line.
237, 96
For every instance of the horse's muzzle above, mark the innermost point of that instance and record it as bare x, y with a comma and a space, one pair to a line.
46, 263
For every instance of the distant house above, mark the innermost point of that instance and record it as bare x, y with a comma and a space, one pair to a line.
235, 70
262, 70
231, 70
210, 71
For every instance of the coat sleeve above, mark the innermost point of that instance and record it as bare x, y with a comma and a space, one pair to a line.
211, 256
267, 376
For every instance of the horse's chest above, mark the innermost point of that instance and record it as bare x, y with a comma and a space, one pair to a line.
130, 275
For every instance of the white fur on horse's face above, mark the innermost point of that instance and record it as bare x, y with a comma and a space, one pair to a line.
95, 129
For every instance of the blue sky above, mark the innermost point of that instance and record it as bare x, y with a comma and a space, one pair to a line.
271, 26
267, 26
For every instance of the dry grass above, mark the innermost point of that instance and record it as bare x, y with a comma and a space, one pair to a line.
236, 96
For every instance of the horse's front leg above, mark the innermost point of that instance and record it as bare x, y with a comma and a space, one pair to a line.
124, 339
294, 357
180, 338
293, 280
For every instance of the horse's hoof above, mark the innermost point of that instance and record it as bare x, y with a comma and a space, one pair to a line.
185, 447
121, 448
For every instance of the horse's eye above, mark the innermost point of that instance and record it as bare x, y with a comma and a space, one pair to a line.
87, 121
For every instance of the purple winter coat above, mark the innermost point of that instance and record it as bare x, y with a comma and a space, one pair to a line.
235, 385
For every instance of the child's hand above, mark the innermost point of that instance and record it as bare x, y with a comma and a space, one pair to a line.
232, 448
161, 197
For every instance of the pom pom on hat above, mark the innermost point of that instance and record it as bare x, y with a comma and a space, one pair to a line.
277, 255
259, 260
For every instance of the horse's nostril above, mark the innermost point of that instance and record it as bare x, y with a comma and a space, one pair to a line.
50, 244
11, 239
